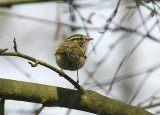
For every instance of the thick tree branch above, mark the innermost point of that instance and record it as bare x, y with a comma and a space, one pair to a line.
51, 96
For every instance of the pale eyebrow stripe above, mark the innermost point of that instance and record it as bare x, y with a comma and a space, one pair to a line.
76, 37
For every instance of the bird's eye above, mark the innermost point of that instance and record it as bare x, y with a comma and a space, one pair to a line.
81, 38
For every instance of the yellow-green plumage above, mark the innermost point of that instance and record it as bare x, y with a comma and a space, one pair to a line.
70, 55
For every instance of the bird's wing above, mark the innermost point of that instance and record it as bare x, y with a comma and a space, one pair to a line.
72, 49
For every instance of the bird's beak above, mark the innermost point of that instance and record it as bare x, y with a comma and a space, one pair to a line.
90, 39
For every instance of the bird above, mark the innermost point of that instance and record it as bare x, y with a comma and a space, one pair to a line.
70, 54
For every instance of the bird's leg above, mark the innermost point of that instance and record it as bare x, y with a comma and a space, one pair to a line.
77, 77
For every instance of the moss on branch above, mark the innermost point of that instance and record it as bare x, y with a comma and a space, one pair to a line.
51, 96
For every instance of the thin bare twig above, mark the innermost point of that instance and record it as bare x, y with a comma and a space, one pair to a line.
139, 87
17, 54
39, 110
130, 75
150, 100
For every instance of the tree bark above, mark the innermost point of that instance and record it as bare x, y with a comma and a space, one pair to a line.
50, 96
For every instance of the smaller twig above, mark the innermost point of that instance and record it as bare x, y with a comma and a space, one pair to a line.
90, 17
150, 100
34, 64
15, 45
2, 102
151, 105
130, 7
3, 50
148, 7
113, 14
39, 110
